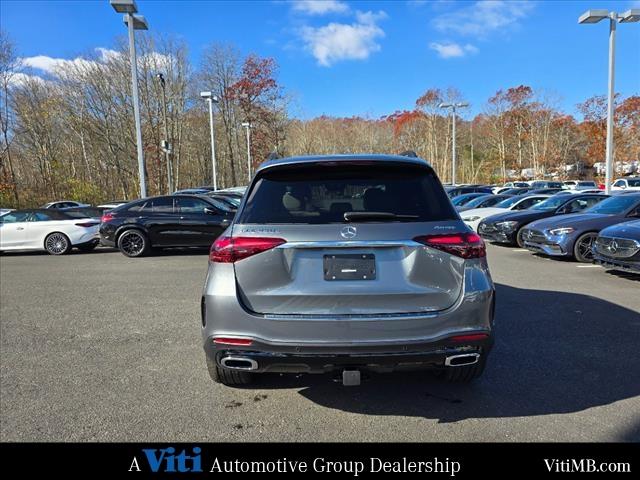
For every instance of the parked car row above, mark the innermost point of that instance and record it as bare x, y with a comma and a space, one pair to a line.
179, 220
573, 226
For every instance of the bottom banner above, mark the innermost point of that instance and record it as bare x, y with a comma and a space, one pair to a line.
355, 460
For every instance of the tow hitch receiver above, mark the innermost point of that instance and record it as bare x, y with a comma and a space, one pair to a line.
351, 378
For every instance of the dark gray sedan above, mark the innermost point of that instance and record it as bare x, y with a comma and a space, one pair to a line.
618, 247
573, 235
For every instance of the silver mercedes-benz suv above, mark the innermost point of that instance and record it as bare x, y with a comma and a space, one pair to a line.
347, 263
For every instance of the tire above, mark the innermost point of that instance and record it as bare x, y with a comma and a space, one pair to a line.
133, 243
57, 243
230, 378
519, 239
465, 373
582, 248
88, 248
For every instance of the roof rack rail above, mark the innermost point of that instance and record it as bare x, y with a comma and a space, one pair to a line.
273, 156
409, 153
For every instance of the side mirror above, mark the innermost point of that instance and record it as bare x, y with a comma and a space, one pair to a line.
210, 211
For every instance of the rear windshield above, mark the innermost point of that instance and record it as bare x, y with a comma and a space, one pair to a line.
319, 195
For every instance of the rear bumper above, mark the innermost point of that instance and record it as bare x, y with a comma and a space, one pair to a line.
335, 335
266, 358
107, 242
91, 236
107, 235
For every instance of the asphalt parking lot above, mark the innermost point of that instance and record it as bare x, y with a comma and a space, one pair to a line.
99, 347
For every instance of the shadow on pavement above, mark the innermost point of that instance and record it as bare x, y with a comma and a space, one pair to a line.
555, 353
625, 275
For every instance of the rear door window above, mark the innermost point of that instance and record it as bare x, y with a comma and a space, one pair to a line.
323, 194
162, 205
41, 217
191, 205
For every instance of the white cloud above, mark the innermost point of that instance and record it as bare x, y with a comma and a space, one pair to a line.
52, 65
158, 60
483, 17
452, 50
106, 54
339, 41
18, 79
320, 7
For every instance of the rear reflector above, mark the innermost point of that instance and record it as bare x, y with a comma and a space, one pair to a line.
474, 337
106, 217
232, 249
242, 342
465, 245
87, 224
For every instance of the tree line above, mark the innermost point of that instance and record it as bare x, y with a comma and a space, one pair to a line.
71, 134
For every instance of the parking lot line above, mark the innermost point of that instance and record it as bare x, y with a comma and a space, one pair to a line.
520, 250
588, 266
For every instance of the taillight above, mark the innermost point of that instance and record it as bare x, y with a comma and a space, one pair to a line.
472, 337
106, 217
240, 342
232, 249
465, 245
87, 224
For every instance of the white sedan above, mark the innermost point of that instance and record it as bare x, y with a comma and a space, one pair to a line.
51, 230
518, 202
61, 204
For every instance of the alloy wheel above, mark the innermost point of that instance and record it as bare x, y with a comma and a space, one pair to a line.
132, 244
57, 244
584, 248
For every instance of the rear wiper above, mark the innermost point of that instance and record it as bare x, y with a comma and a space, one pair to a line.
354, 216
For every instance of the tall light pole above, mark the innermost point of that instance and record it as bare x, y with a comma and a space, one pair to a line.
594, 16
453, 107
247, 126
134, 22
211, 99
165, 145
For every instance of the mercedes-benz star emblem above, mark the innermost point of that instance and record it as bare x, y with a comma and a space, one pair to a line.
348, 232
613, 246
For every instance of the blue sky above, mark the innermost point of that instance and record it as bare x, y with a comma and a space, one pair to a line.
367, 58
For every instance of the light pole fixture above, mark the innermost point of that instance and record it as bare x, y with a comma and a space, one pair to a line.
248, 127
165, 145
211, 99
134, 22
453, 107
594, 16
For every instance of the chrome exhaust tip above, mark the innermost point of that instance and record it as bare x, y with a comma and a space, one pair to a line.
461, 360
239, 363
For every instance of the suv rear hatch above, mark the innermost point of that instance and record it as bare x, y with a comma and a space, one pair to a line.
348, 238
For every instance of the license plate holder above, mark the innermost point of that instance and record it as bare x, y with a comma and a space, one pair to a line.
352, 266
